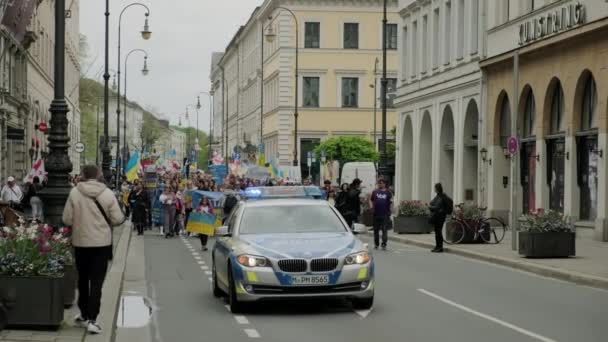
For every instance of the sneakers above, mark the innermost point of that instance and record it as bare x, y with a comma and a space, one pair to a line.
93, 328
80, 322
204, 248
437, 250
383, 247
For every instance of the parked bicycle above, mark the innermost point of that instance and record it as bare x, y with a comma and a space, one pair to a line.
489, 229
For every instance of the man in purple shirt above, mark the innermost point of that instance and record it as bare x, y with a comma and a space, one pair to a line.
380, 202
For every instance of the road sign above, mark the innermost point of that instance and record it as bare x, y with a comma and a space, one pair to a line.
79, 147
512, 145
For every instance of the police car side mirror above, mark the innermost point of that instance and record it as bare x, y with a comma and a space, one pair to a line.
359, 228
222, 232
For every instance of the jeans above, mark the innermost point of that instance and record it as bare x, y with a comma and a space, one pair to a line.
92, 265
380, 224
439, 234
36, 204
169, 216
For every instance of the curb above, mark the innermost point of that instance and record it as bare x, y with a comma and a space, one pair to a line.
546, 271
112, 289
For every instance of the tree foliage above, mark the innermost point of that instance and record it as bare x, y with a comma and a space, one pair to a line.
151, 131
203, 143
348, 149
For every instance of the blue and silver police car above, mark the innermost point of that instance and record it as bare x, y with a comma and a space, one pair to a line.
289, 244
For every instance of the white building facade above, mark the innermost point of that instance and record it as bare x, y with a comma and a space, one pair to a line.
439, 99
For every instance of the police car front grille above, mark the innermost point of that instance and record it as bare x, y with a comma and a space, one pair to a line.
292, 265
323, 265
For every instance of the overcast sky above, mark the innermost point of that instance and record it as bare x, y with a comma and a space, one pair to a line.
184, 34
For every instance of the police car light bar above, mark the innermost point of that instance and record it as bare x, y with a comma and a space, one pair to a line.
269, 192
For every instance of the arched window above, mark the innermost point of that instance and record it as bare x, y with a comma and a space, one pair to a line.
557, 109
588, 118
529, 115
505, 121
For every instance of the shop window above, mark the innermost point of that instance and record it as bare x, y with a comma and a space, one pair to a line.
557, 109
587, 153
505, 121
588, 118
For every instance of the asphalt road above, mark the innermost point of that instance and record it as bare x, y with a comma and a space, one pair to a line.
420, 296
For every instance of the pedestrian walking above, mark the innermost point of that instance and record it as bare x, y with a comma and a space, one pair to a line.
440, 207
381, 202
91, 210
168, 200
204, 207
140, 205
11, 193
34, 199
353, 203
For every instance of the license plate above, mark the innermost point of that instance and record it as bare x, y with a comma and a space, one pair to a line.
310, 280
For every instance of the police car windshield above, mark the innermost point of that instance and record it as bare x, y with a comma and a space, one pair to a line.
290, 219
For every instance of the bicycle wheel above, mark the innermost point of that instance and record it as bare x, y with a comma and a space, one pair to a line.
492, 230
453, 232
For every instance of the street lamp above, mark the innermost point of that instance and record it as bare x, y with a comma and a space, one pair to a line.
58, 164
145, 34
383, 167
98, 105
198, 106
375, 86
270, 37
144, 72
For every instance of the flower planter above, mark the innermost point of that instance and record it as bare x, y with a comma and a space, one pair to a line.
69, 285
469, 234
547, 244
412, 225
33, 301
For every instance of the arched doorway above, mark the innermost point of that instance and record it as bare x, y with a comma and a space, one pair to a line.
425, 158
470, 162
587, 146
407, 164
446, 155
528, 151
556, 145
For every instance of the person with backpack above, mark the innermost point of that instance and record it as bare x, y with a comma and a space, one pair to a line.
441, 206
34, 199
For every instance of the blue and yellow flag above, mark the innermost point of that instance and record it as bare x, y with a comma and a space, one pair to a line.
203, 223
132, 167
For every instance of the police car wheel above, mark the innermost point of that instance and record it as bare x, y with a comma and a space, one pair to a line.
363, 303
217, 292
235, 305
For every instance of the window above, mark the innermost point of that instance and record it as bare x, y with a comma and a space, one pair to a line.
505, 121
529, 115
351, 35
425, 44
588, 119
447, 38
391, 89
460, 40
557, 109
474, 29
311, 92
404, 54
414, 48
350, 92
391, 36
312, 35
296, 219
436, 38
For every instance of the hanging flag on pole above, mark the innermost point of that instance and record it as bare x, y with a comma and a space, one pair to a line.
36, 171
132, 167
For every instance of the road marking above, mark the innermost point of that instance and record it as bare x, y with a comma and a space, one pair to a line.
487, 317
210, 279
208, 272
241, 319
204, 268
252, 333
363, 313
195, 254
197, 258
201, 262
227, 307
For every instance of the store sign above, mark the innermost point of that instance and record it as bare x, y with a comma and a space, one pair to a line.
559, 20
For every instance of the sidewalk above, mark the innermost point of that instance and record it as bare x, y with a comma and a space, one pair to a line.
589, 266
67, 332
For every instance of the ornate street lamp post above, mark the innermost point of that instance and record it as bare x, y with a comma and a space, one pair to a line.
383, 167
270, 36
58, 164
198, 106
144, 71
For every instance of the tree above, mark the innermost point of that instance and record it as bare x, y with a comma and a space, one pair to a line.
203, 143
151, 131
348, 149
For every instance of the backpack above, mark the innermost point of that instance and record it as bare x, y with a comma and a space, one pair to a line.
449, 205
230, 202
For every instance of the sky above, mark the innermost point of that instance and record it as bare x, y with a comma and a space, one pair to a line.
184, 34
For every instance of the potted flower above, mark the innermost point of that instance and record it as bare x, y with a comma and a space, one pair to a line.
546, 234
468, 214
412, 217
32, 274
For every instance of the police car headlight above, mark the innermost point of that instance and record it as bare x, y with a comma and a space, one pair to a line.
360, 258
252, 261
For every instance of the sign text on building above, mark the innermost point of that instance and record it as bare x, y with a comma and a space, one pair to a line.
553, 22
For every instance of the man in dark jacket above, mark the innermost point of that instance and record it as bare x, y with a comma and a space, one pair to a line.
438, 207
353, 203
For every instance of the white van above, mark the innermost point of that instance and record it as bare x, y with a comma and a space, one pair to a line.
365, 171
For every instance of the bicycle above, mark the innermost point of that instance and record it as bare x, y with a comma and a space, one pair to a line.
489, 229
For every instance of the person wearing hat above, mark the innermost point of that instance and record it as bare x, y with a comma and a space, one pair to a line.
11, 192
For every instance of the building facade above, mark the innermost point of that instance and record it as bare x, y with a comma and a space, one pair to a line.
26, 82
547, 85
134, 119
338, 46
439, 98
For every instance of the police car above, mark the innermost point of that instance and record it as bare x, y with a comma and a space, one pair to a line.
286, 243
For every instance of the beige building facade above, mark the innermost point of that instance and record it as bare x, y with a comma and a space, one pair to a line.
339, 43
555, 101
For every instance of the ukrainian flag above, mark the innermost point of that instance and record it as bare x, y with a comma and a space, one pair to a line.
132, 167
203, 223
